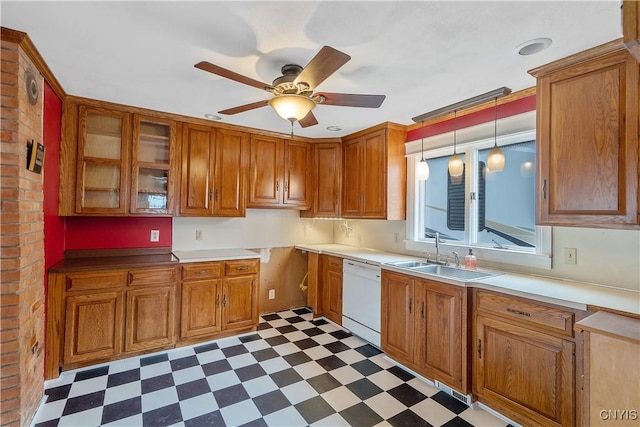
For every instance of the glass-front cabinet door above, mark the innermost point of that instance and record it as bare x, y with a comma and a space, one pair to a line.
102, 186
151, 172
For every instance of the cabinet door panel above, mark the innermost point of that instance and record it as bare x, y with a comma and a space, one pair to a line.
526, 371
201, 308
150, 318
439, 351
398, 306
197, 169
265, 172
352, 189
588, 142
297, 174
374, 203
240, 302
103, 158
93, 326
327, 174
231, 164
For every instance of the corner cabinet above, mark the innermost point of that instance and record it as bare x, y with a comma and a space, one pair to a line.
525, 359
587, 127
424, 327
279, 173
327, 181
115, 162
374, 173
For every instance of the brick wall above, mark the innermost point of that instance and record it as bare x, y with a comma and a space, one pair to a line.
21, 244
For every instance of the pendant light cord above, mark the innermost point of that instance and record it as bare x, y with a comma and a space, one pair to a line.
455, 116
422, 142
495, 123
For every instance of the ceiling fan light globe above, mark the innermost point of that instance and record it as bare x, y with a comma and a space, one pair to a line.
495, 160
292, 107
422, 170
456, 166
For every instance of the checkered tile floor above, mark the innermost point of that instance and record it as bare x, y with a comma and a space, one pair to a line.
294, 371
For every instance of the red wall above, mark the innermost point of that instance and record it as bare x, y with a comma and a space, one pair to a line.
53, 224
115, 232
508, 109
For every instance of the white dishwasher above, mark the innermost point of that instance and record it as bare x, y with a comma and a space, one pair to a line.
361, 300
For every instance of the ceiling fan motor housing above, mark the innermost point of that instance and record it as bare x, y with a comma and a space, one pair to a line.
285, 83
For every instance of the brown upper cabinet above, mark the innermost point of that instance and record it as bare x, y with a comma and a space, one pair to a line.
116, 162
587, 127
631, 26
214, 170
327, 181
374, 178
279, 173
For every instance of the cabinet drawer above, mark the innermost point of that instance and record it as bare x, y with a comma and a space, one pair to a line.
150, 276
241, 267
537, 315
204, 270
333, 263
95, 280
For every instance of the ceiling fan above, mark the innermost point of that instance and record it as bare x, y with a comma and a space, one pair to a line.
293, 97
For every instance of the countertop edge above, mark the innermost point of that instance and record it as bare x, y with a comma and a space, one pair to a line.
592, 294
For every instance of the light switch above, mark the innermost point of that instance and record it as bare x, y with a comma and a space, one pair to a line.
570, 255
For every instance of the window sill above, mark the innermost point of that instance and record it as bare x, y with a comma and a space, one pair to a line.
504, 256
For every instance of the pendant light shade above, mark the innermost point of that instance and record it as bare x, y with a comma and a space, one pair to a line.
422, 168
292, 107
456, 165
495, 160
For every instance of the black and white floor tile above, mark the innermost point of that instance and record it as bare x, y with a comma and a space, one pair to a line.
294, 371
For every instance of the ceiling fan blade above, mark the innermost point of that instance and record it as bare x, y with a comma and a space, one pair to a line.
308, 120
321, 66
351, 100
243, 108
223, 72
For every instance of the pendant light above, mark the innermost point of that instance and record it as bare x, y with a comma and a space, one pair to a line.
456, 166
495, 160
422, 168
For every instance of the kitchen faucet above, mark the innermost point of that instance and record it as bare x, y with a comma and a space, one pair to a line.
438, 261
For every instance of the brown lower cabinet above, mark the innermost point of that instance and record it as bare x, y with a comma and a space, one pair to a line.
218, 296
100, 310
422, 327
331, 285
525, 359
95, 315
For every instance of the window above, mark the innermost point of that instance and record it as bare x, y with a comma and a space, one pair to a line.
491, 212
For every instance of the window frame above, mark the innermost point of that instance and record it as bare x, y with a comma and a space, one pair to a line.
540, 257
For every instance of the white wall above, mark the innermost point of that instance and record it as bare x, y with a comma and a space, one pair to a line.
261, 228
604, 256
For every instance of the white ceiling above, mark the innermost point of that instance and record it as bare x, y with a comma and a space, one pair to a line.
422, 55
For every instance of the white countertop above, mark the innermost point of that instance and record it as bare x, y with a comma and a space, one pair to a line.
204, 255
566, 293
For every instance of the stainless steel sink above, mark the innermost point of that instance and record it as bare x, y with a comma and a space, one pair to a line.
452, 272
409, 264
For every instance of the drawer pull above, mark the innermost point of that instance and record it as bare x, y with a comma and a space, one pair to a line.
479, 349
409, 305
201, 272
129, 278
224, 300
242, 268
518, 312
422, 310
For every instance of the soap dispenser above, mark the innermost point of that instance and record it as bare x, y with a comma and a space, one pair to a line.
470, 261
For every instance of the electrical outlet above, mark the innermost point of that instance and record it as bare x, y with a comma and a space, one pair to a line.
272, 294
570, 255
198, 234
155, 236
